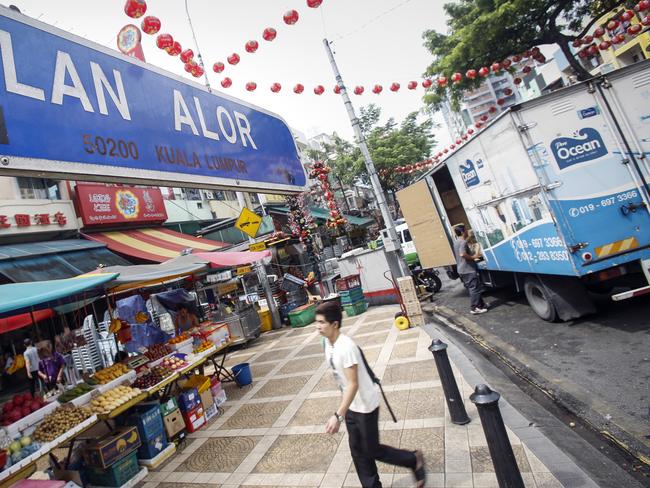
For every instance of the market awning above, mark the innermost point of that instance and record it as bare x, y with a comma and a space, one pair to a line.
20, 297
24, 319
154, 244
322, 215
53, 260
232, 259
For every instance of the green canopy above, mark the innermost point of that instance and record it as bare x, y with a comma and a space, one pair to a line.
322, 214
18, 297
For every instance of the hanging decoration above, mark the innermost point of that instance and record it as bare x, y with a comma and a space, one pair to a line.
269, 34
301, 221
135, 8
320, 172
291, 17
150, 25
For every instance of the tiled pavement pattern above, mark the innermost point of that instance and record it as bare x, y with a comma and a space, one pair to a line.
271, 434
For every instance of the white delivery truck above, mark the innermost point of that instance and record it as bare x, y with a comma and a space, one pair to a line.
556, 192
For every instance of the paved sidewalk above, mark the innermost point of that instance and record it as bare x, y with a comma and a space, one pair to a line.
271, 434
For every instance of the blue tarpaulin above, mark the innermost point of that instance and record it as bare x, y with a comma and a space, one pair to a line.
19, 297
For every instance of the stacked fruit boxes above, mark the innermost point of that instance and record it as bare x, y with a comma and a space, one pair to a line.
411, 302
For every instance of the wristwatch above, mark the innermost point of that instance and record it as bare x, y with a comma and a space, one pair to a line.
340, 418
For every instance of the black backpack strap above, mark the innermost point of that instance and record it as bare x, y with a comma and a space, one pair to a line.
376, 381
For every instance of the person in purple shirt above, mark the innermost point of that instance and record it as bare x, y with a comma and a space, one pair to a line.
50, 368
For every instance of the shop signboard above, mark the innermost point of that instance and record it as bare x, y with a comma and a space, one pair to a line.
221, 276
244, 270
102, 205
258, 246
248, 222
36, 216
69, 107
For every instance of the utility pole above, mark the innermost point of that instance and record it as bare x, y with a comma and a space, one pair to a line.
370, 167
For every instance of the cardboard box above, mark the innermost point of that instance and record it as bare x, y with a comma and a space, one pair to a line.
106, 451
405, 284
206, 399
173, 423
413, 308
416, 320
194, 419
409, 296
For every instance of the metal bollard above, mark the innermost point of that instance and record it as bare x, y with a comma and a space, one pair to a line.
452, 396
503, 459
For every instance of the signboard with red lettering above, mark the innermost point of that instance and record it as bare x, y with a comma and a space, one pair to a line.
103, 205
35, 216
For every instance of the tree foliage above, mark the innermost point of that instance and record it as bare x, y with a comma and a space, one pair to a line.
484, 31
390, 145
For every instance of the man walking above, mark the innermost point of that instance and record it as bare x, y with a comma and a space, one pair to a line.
359, 406
467, 269
31, 365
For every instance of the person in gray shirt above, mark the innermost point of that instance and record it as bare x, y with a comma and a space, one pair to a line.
468, 271
31, 364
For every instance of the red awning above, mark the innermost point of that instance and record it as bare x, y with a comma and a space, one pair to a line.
153, 244
24, 319
231, 259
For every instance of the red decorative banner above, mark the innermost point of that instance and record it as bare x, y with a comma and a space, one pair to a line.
105, 205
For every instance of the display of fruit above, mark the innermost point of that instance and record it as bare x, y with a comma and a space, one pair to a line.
22, 448
112, 399
77, 391
174, 363
20, 406
152, 377
178, 339
157, 351
107, 375
59, 422
205, 345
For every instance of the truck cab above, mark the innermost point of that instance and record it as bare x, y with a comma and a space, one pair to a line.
406, 241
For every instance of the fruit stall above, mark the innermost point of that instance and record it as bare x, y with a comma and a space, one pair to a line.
123, 419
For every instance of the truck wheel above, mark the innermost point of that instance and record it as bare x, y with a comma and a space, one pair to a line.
539, 299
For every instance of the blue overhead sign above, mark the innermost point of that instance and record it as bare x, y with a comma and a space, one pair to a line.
78, 110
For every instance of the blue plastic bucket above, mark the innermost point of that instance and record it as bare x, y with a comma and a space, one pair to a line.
242, 373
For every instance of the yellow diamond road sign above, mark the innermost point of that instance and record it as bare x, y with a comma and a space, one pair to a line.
248, 222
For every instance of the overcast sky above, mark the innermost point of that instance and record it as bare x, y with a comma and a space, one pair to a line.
375, 41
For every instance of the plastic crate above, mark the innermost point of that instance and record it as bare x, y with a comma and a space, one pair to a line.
355, 308
351, 296
117, 475
146, 418
348, 282
302, 316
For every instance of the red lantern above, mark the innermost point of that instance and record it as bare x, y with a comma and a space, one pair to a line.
197, 71
456, 78
291, 17
604, 46
377, 89
337, 89
459, 142
496, 67
478, 125
506, 63
298, 89
612, 25
526, 70
484, 118
358, 90
599, 32
150, 24
492, 109
452, 147
251, 86
427, 83
592, 50
618, 39
189, 66
164, 41
470, 131
588, 39
276, 87
251, 46
233, 58
445, 150
319, 90
314, 3
517, 81
187, 55
412, 85
395, 87
627, 16
577, 43
226, 82
471, 74
218, 67
332, 205
484, 71
328, 195
646, 20
322, 177
507, 92
135, 8
269, 34
582, 54
175, 49
633, 30
501, 101
516, 58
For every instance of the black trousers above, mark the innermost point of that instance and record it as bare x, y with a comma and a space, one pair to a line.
475, 288
363, 434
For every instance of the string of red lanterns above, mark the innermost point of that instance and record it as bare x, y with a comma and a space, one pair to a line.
320, 171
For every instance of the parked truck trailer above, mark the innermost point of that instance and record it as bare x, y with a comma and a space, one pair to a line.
556, 192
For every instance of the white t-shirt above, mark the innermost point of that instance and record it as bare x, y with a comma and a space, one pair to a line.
345, 354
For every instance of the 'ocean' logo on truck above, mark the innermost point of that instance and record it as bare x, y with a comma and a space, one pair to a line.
585, 146
469, 174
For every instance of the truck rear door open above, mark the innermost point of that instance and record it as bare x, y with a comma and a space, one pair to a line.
425, 225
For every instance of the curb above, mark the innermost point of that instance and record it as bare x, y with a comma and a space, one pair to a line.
569, 396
